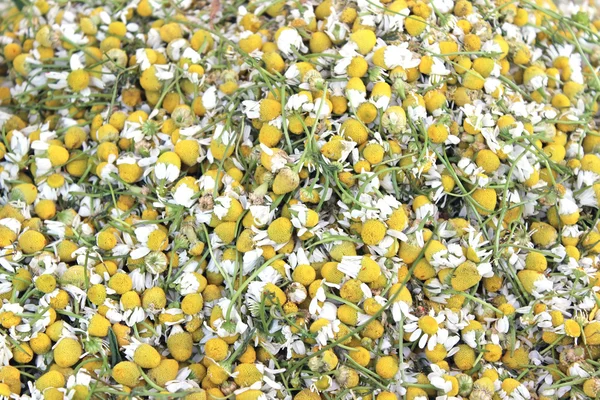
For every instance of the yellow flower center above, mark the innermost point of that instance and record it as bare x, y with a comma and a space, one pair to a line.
428, 325
572, 328
171, 158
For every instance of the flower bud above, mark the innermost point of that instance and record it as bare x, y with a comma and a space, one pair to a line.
286, 181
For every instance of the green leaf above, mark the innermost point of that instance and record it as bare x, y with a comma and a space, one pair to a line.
115, 356
19, 4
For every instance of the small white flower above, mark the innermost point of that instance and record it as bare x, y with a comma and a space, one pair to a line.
5, 353
290, 40
183, 196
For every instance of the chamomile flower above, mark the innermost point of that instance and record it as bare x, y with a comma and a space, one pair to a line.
426, 330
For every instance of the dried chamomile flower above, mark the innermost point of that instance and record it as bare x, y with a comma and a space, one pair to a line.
299, 200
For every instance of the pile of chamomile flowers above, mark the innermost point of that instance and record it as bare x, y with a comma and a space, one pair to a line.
299, 200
